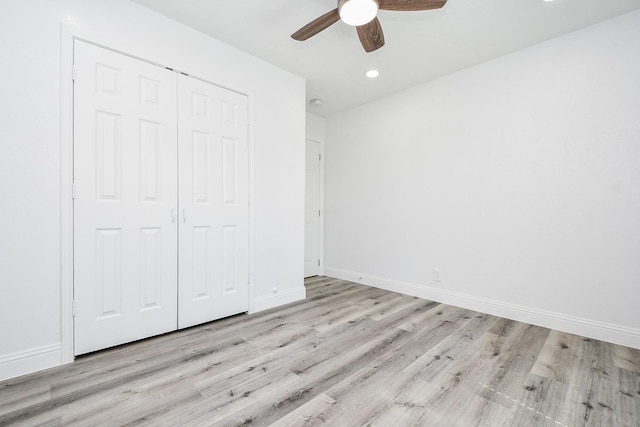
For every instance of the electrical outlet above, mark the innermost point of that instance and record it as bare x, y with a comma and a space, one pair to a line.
437, 275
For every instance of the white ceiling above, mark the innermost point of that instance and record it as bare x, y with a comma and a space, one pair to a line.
420, 46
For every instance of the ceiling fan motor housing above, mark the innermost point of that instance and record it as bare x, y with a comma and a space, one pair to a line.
358, 12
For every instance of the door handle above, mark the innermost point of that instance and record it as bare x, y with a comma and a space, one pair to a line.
184, 215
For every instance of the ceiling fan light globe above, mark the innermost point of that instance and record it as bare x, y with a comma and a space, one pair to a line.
357, 12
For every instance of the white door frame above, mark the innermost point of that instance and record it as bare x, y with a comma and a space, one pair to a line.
67, 37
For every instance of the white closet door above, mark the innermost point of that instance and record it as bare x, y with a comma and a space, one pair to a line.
312, 210
125, 231
213, 198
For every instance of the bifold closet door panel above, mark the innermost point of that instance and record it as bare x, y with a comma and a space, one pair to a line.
125, 206
214, 205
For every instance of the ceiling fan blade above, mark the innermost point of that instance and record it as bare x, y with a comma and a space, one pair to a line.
317, 25
409, 5
371, 35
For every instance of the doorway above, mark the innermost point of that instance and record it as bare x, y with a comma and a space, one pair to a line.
313, 212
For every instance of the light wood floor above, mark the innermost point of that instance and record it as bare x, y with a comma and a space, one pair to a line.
349, 355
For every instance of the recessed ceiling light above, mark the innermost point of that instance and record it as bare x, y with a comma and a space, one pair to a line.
316, 101
372, 74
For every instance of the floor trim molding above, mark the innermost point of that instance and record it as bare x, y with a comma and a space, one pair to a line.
613, 333
287, 296
29, 361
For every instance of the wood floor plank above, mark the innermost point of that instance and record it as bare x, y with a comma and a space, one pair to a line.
451, 351
425, 315
557, 357
628, 397
507, 372
369, 306
237, 393
539, 403
334, 313
627, 358
17, 399
365, 396
593, 378
311, 413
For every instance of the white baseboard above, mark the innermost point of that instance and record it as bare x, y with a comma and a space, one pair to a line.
29, 361
616, 334
266, 302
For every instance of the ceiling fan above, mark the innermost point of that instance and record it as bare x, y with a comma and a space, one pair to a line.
362, 15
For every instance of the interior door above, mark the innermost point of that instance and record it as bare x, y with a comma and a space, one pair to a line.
312, 210
214, 202
125, 199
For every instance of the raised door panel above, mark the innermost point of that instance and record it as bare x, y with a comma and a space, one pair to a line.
125, 232
213, 170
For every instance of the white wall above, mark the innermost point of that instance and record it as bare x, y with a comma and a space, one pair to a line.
30, 163
519, 179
